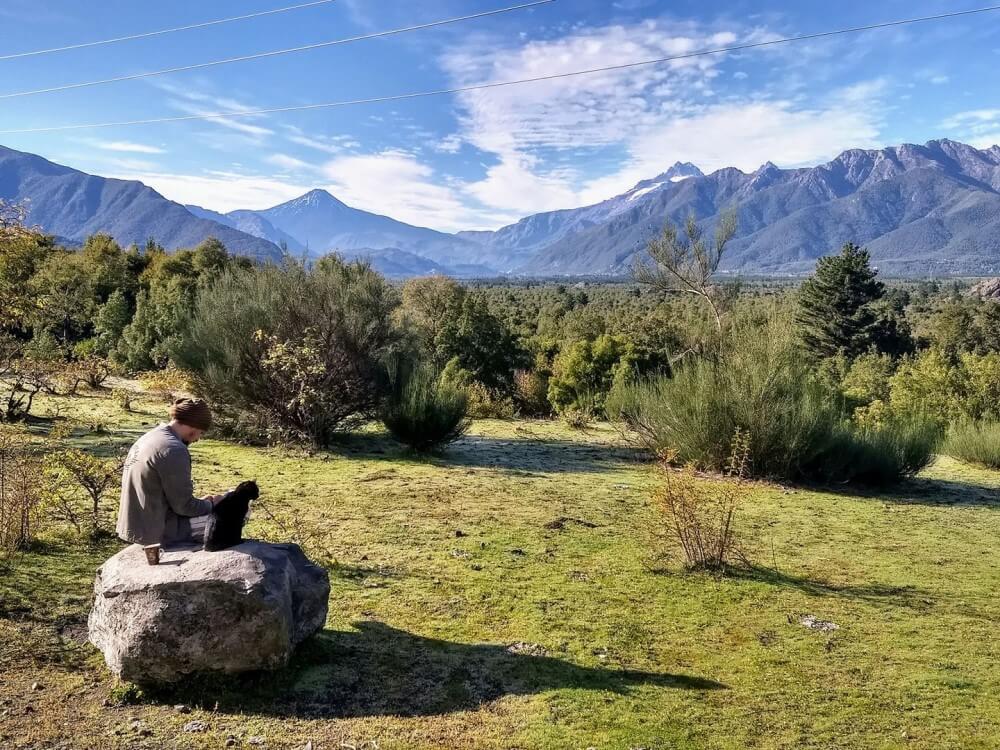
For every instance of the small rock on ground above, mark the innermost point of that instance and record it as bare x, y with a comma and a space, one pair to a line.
526, 649
195, 726
814, 623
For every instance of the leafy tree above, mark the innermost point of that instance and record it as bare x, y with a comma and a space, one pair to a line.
22, 251
480, 343
107, 267
210, 259
424, 302
147, 341
835, 306
110, 322
64, 298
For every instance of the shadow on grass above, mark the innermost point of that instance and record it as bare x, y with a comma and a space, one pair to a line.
872, 593
922, 491
542, 455
521, 456
378, 670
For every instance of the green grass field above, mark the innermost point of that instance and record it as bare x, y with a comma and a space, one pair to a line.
521, 592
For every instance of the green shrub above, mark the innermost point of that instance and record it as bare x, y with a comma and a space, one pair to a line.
795, 424
425, 412
291, 352
879, 453
953, 389
584, 371
974, 442
483, 402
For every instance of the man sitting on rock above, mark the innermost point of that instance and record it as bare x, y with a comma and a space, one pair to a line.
158, 505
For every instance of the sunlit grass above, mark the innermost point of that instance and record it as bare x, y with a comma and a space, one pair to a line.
530, 533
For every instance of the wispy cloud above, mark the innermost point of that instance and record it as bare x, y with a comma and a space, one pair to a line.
977, 127
289, 163
194, 102
646, 117
127, 146
335, 144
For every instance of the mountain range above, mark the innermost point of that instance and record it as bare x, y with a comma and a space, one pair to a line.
924, 209
73, 205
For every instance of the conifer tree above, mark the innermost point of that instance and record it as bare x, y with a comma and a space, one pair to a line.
836, 311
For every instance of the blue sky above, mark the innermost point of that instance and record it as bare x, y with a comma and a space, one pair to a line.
482, 159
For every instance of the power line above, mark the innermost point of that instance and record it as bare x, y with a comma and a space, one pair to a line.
499, 84
147, 34
275, 53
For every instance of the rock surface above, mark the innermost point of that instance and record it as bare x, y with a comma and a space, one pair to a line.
987, 289
241, 609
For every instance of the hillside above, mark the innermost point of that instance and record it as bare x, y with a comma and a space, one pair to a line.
73, 205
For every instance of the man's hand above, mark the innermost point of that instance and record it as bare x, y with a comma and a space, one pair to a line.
213, 499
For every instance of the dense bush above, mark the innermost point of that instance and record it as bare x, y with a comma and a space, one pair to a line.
483, 402
760, 386
974, 442
423, 411
584, 372
290, 352
952, 389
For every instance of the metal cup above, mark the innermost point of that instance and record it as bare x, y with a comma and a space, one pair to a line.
152, 553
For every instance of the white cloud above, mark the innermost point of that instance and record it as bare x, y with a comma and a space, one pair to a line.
450, 144
642, 119
219, 191
395, 183
977, 127
128, 146
512, 185
289, 163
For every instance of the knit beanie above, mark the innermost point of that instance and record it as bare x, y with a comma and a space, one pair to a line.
193, 412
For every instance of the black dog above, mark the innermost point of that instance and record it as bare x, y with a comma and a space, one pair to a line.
225, 526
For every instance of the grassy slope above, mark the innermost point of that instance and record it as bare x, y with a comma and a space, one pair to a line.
636, 654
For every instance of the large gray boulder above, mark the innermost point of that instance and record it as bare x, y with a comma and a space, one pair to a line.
241, 609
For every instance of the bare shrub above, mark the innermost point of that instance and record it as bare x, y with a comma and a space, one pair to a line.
166, 385
78, 484
123, 397
701, 512
283, 525
21, 493
578, 417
